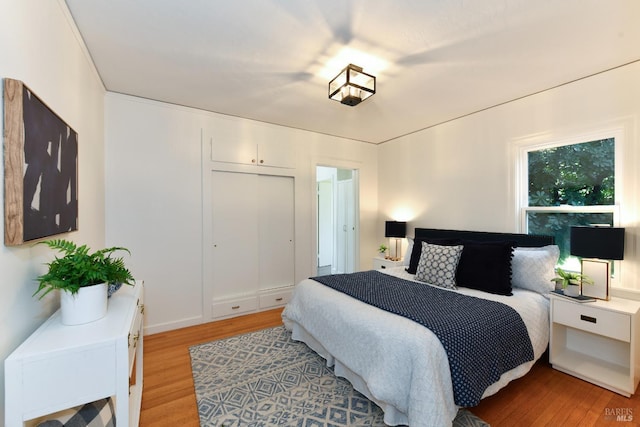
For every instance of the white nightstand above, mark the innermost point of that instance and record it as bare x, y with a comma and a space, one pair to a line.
597, 342
381, 263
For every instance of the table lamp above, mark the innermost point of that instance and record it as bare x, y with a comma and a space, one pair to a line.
397, 230
597, 246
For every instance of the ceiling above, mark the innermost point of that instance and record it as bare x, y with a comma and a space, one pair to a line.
435, 60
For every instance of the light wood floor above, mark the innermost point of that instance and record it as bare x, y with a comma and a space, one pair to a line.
544, 397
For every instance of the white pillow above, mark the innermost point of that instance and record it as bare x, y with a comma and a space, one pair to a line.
406, 260
533, 268
438, 265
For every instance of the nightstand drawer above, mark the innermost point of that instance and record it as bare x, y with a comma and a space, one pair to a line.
382, 263
592, 319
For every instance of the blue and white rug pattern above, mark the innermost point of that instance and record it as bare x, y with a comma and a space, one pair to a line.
266, 379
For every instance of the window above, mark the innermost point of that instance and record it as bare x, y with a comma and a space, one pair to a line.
569, 183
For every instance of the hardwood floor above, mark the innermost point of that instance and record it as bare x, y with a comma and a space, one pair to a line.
169, 398
544, 397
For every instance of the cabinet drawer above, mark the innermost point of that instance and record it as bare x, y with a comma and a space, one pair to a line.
592, 319
233, 307
135, 333
275, 299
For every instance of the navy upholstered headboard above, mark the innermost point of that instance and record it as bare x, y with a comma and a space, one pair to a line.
523, 240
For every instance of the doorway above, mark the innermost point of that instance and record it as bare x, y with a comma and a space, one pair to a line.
337, 227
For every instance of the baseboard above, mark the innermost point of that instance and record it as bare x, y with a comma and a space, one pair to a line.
170, 326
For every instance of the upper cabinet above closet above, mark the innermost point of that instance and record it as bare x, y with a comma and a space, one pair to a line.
263, 146
278, 154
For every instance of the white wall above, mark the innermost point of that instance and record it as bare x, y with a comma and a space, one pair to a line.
40, 46
460, 175
154, 201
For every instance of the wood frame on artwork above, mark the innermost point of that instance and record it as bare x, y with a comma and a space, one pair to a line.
40, 168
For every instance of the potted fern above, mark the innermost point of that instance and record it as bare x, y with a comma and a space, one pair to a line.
83, 277
570, 281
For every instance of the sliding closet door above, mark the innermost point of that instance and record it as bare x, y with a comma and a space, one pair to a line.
252, 243
234, 233
276, 236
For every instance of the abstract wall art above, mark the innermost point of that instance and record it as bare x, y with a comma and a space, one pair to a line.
40, 168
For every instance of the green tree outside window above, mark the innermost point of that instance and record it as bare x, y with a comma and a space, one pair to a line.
575, 175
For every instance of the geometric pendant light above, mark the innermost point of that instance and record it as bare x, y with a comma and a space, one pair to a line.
352, 86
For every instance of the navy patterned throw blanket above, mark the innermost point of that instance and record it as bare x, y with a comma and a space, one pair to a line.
482, 338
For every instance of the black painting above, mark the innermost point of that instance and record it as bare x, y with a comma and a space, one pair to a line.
50, 176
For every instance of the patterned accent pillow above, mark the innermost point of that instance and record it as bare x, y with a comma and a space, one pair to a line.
100, 413
533, 268
438, 264
417, 250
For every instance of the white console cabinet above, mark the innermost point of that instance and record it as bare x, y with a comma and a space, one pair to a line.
60, 367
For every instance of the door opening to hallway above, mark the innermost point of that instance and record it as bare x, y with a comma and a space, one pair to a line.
337, 226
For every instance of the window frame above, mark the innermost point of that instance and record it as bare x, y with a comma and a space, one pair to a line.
547, 141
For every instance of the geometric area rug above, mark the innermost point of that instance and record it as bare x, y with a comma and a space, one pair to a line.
265, 378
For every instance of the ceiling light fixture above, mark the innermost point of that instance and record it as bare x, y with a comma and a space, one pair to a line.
352, 86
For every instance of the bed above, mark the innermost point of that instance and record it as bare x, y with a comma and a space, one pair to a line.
402, 365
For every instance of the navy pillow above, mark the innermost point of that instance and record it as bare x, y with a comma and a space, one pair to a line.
486, 266
417, 250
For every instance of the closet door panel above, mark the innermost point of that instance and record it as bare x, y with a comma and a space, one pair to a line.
234, 233
276, 231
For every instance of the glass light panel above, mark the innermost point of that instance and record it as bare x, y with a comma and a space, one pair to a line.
361, 79
335, 84
364, 94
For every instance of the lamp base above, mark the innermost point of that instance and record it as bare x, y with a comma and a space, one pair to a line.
598, 271
396, 258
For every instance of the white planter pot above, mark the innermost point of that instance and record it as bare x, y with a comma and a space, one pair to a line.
88, 305
572, 290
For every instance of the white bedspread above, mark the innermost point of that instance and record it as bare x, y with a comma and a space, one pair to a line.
394, 361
